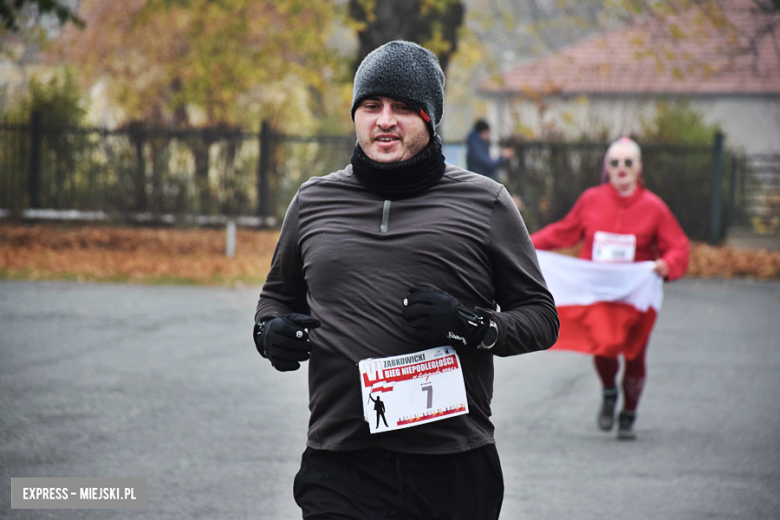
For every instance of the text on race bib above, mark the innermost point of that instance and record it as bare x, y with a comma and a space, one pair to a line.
412, 389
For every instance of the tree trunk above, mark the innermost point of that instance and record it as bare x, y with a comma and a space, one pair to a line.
404, 20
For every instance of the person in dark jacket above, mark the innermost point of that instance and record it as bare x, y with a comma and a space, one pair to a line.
478, 159
387, 277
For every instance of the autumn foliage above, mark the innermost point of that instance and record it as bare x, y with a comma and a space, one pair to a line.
143, 255
136, 255
722, 262
201, 62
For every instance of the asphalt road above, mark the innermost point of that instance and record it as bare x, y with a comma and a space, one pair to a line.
163, 383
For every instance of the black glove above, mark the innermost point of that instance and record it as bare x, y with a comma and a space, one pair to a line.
285, 340
438, 318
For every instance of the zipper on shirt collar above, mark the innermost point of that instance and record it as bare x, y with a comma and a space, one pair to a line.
385, 217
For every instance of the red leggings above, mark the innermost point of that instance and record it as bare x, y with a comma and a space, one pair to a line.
633, 376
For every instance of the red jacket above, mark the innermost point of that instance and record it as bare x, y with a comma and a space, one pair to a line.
643, 214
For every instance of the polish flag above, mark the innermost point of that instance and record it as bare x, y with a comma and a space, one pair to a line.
605, 309
383, 386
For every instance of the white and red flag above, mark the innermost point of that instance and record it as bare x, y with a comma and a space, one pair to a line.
605, 309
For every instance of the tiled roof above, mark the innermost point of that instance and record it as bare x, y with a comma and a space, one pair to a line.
688, 55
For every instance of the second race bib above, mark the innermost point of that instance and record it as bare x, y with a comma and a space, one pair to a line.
612, 247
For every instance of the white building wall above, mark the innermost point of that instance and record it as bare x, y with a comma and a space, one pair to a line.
751, 123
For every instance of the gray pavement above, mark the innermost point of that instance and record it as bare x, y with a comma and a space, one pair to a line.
163, 383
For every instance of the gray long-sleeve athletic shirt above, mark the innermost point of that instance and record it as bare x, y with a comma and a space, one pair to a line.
347, 257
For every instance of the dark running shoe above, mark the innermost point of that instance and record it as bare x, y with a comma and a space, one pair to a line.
626, 426
606, 418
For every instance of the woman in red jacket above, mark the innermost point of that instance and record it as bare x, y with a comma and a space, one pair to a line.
621, 221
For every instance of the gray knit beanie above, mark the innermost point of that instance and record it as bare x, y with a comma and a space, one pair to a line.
406, 72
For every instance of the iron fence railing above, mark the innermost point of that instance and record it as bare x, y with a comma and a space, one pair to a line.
757, 181
212, 174
160, 174
549, 177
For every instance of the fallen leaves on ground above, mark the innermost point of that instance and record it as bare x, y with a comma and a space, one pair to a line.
723, 262
197, 256
136, 255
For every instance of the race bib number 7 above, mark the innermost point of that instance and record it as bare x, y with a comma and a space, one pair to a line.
412, 389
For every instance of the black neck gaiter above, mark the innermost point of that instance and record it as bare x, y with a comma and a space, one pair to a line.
404, 179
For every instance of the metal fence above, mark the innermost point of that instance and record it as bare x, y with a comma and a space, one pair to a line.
549, 177
152, 174
756, 179
210, 175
